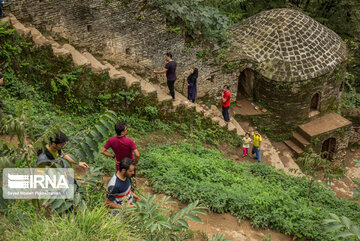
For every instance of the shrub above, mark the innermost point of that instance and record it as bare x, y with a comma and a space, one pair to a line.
196, 18
95, 224
270, 198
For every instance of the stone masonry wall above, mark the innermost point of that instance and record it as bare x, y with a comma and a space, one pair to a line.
289, 102
353, 115
342, 137
135, 38
134, 35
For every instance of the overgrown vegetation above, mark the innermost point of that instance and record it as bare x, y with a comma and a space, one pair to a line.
268, 197
42, 97
42, 92
196, 19
94, 224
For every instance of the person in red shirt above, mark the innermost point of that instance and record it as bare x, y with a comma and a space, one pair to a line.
121, 145
225, 102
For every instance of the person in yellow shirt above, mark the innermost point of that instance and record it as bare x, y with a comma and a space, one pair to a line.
257, 145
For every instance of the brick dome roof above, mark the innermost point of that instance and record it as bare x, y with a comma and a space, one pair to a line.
286, 45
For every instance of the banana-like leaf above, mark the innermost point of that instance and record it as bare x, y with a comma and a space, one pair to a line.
107, 124
87, 150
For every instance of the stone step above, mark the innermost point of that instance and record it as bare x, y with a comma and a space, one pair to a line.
6, 19
78, 58
219, 120
299, 140
130, 80
114, 74
19, 27
177, 103
199, 109
96, 66
189, 105
162, 96
147, 88
58, 50
231, 127
239, 130
38, 38
294, 147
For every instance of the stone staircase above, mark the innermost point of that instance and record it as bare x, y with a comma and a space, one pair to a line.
298, 142
86, 59
306, 133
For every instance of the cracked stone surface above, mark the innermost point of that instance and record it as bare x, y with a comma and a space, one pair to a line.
287, 45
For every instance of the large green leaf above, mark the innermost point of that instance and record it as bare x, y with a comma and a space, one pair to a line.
102, 130
346, 221
80, 154
183, 223
96, 135
343, 235
91, 143
57, 203
107, 124
193, 218
86, 148
74, 157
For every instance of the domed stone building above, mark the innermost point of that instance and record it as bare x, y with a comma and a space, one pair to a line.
289, 63
294, 67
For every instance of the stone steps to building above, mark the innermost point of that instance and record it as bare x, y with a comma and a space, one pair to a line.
302, 133
294, 147
131, 81
307, 132
299, 140
96, 66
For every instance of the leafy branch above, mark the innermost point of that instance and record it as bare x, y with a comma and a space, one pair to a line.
342, 227
149, 213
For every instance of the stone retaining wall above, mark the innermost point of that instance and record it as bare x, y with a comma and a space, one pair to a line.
127, 32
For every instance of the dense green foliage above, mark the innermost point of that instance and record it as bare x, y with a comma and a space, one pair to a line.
57, 92
94, 224
195, 18
268, 197
153, 219
44, 97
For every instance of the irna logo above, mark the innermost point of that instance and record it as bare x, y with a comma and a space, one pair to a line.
37, 181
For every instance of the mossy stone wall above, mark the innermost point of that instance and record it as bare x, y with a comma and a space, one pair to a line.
288, 103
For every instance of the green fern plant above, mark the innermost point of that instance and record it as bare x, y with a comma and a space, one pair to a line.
151, 217
219, 237
25, 152
90, 183
20, 128
83, 150
342, 227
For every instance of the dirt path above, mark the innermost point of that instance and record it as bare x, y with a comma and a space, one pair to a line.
213, 223
13, 140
